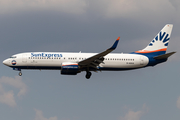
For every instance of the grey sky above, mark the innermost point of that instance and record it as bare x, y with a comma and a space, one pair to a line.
88, 26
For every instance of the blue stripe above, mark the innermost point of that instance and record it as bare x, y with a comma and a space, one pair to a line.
37, 67
59, 68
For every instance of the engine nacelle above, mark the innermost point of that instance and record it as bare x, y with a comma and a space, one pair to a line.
69, 68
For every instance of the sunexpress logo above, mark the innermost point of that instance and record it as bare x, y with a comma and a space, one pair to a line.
45, 55
161, 37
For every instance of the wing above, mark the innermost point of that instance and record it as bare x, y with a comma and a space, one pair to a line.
95, 60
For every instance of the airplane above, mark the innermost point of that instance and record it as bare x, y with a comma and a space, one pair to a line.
73, 63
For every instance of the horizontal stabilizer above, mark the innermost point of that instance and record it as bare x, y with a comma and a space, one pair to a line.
164, 56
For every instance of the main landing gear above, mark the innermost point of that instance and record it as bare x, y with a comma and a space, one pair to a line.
88, 74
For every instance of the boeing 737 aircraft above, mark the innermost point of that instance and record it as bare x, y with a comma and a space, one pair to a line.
72, 63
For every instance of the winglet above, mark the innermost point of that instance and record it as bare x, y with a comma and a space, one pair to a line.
115, 44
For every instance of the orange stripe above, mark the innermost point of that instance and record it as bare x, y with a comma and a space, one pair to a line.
146, 51
70, 64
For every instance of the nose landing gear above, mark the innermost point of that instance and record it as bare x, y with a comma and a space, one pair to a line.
18, 69
20, 73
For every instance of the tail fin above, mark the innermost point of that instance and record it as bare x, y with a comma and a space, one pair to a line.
160, 43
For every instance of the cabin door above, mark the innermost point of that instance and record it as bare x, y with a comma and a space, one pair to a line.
24, 58
141, 61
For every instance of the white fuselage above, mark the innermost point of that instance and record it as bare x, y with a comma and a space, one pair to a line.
54, 60
74, 63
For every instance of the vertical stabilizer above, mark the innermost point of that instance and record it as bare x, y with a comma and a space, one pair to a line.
160, 43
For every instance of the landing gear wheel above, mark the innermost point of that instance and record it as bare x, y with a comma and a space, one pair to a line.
20, 73
88, 75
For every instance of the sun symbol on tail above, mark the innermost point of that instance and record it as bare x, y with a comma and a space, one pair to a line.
160, 40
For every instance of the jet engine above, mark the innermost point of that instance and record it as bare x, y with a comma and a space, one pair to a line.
69, 68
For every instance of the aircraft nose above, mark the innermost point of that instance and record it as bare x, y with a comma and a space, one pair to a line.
6, 62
